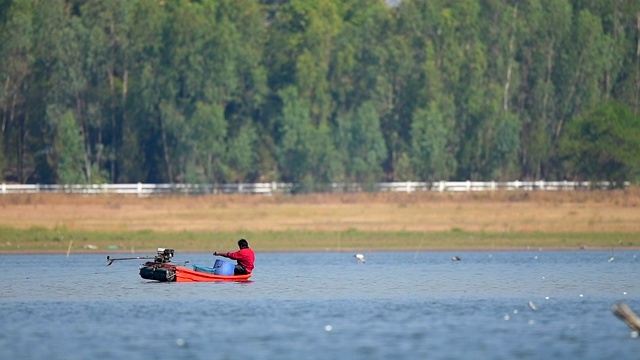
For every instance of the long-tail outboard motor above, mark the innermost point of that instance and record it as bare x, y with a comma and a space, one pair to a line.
164, 256
158, 269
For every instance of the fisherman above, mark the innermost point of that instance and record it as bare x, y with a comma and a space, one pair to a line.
245, 258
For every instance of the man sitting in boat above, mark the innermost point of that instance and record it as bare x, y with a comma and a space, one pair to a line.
245, 258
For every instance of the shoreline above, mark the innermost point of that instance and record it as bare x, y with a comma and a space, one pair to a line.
416, 222
371, 250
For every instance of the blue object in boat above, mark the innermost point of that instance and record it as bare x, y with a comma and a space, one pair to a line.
222, 267
203, 268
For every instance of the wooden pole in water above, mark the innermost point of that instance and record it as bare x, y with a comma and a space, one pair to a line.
627, 315
69, 248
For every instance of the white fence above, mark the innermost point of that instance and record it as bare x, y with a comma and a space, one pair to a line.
141, 189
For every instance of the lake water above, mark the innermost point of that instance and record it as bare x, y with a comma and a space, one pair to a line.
400, 305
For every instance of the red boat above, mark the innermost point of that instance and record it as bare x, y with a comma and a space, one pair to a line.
186, 275
172, 273
161, 269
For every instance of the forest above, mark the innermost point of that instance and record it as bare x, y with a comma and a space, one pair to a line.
316, 92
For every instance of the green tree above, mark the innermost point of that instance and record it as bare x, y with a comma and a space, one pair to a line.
504, 151
16, 68
108, 25
401, 82
142, 156
296, 135
603, 144
363, 68
431, 138
49, 24
207, 139
307, 153
271, 90
545, 26
625, 24
582, 68
300, 50
241, 153
69, 149
328, 166
362, 144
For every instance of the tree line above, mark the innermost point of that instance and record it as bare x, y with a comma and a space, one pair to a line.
314, 92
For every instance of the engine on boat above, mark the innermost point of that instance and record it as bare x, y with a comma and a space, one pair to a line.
157, 270
164, 255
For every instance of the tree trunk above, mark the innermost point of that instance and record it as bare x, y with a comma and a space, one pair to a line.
637, 95
21, 137
11, 120
165, 150
125, 79
112, 104
507, 84
570, 96
4, 107
547, 81
86, 147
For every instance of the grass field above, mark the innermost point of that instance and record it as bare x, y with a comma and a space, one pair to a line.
322, 222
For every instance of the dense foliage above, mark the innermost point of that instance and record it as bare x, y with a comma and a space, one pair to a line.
321, 91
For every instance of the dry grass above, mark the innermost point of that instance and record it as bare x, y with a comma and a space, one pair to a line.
611, 211
513, 212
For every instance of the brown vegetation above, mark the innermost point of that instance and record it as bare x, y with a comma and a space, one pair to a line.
490, 212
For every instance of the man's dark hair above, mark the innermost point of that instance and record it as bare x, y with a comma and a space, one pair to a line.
242, 244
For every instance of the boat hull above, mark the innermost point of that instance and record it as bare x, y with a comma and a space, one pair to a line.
173, 273
187, 275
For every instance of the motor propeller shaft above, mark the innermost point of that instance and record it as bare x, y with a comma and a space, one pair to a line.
111, 260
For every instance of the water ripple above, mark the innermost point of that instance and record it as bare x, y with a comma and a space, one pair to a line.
325, 305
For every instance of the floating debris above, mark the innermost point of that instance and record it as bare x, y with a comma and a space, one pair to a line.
624, 313
532, 306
